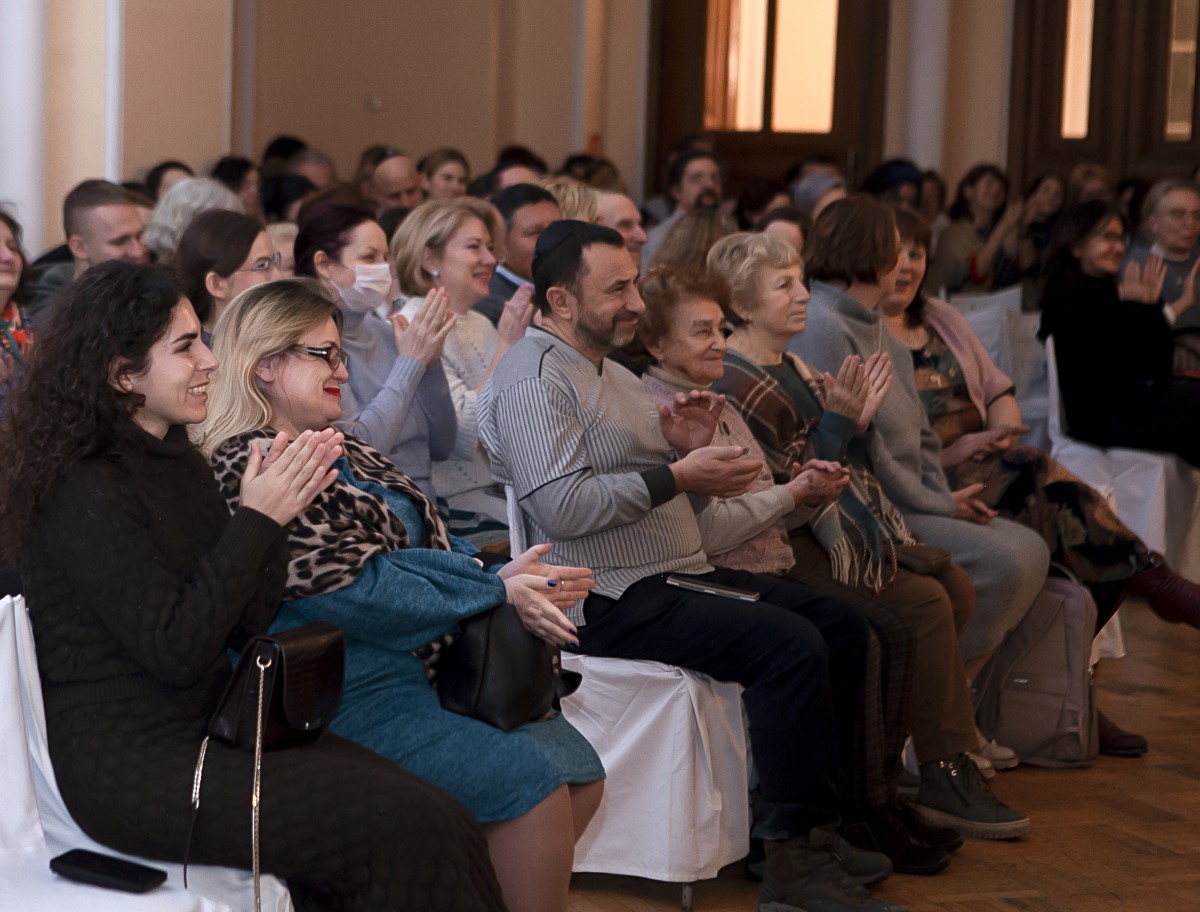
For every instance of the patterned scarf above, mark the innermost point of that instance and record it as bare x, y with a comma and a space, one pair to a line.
13, 336
344, 527
861, 529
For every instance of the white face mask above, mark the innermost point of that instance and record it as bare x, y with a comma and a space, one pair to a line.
372, 283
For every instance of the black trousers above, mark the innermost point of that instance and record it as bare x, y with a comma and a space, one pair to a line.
800, 655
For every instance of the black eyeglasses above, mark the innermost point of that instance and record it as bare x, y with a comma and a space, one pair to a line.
333, 356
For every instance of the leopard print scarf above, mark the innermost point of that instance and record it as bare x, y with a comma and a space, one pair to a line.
332, 540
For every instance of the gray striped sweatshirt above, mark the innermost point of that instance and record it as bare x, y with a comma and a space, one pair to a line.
584, 451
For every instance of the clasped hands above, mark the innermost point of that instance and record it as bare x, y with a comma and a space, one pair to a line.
859, 388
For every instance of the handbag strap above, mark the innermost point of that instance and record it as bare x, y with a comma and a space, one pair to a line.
263, 664
197, 778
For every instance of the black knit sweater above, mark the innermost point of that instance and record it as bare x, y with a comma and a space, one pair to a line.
1113, 356
137, 577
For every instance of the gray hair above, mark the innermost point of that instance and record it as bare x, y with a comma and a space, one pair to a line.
178, 206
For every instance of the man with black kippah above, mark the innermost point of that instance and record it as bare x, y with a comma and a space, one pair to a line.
618, 485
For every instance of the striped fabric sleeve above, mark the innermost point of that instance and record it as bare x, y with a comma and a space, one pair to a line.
552, 468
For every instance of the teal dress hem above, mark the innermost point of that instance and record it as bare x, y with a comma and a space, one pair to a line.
400, 601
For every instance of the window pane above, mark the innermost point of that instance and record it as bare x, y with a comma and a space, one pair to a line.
735, 65
1181, 69
805, 63
1077, 69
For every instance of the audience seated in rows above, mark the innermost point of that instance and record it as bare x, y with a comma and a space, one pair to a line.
585, 447
139, 580
406, 584
858, 642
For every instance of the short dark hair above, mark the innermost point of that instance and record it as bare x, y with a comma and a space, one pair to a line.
91, 194
325, 228
430, 163
283, 147
753, 198
281, 191
680, 162
961, 208
1076, 224
914, 230
891, 174
515, 154
155, 175
853, 240
232, 170
510, 199
558, 256
217, 241
792, 214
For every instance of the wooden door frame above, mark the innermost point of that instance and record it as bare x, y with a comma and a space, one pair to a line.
1127, 101
676, 97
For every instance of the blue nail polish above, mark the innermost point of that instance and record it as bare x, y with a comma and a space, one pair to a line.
551, 582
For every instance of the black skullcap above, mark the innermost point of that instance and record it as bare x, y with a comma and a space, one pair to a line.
559, 252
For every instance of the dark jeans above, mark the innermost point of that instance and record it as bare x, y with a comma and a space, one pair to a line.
801, 657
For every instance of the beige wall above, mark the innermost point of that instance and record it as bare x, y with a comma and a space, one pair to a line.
344, 76
75, 49
976, 125
476, 74
177, 65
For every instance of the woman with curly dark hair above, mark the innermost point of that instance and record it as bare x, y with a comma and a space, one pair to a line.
15, 338
139, 580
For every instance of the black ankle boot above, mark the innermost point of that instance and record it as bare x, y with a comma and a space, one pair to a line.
1116, 742
1170, 596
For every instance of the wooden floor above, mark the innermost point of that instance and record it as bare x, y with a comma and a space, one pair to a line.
1122, 836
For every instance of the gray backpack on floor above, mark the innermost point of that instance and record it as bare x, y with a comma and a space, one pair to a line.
1035, 694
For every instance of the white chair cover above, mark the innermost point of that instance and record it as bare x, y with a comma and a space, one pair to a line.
30, 838
1156, 494
1010, 337
673, 744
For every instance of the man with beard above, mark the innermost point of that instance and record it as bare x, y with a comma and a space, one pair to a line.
694, 180
619, 485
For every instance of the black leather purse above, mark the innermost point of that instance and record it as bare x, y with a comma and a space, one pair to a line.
284, 692
302, 673
498, 672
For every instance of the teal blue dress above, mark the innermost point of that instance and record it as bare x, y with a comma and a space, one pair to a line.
400, 601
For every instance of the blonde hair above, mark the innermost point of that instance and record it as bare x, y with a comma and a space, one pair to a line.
430, 227
261, 322
576, 200
736, 260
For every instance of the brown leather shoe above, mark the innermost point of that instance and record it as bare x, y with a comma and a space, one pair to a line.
1170, 596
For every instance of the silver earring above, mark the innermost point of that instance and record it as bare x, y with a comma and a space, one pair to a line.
435, 273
